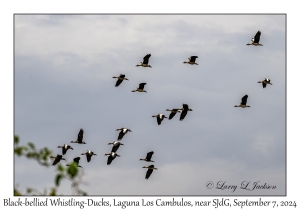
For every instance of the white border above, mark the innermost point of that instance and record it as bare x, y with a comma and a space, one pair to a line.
8, 8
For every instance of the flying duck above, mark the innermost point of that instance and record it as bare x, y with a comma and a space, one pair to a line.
185, 108
173, 112
150, 170
57, 159
265, 82
145, 61
111, 157
243, 103
79, 138
65, 148
76, 160
116, 146
255, 40
159, 118
192, 60
89, 155
140, 88
123, 131
120, 79
148, 157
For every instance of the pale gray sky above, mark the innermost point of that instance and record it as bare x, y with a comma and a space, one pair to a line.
64, 66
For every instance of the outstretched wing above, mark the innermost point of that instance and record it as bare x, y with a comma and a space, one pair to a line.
264, 84
76, 160
80, 135
244, 100
146, 59
257, 37
121, 134
172, 114
115, 148
158, 120
183, 114
185, 107
193, 58
149, 155
88, 157
109, 160
148, 174
64, 150
56, 161
141, 85
119, 81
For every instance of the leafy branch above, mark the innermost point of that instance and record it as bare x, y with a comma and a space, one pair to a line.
42, 156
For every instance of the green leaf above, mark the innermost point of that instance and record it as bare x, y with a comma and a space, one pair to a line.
25, 148
42, 157
16, 139
31, 145
18, 151
45, 153
82, 193
52, 192
72, 170
16, 192
60, 168
58, 179
30, 155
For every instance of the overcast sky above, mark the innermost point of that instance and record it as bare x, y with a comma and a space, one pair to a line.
64, 66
